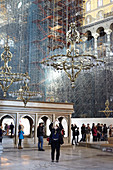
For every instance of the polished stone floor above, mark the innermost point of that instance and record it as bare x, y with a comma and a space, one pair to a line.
72, 158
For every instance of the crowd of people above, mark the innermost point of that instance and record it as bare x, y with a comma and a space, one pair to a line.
9, 128
99, 132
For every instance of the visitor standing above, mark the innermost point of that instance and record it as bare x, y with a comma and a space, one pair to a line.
88, 129
21, 132
105, 130
73, 127
76, 135
56, 139
11, 127
83, 132
40, 134
94, 133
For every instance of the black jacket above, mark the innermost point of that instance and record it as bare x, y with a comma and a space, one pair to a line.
57, 132
40, 131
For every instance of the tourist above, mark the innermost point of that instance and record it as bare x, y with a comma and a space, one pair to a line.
92, 130
94, 133
76, 135
83, 132
105, 130
11, 127
21, 132
88, 129
73, 127
99, 132
56, 139
40, 134
110, 131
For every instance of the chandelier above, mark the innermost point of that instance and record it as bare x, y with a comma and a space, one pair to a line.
7, 78
74, 61
25, 94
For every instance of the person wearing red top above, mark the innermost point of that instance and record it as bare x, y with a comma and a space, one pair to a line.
95, 133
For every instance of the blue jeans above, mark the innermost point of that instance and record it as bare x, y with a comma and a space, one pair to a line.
40, 141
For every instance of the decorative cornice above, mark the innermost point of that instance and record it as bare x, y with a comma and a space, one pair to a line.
35, 107
98, 22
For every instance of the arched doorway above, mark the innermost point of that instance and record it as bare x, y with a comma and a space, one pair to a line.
64, 123
28, 123
90, 41
101, 42
6, 121
102, 36
46, 121
8, 139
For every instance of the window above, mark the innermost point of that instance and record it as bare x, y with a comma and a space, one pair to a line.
88, 5
88, 19
100, 3
100, 15
111, 0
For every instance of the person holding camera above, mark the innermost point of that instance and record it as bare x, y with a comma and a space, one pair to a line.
40, 134
56, 139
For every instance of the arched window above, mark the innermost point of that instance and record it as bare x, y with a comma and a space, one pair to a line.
99, 3
100, 14
88, 19
88, 5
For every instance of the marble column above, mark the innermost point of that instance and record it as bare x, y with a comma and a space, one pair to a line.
108, 32
84, 45
35, 128
16, 129
95, 35
53, 117
69, 129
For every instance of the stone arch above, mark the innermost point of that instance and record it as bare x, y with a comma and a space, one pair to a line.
64, 123
6, 116
111, 26
46, 120
90, 40
102, 36
30, 132
88, 35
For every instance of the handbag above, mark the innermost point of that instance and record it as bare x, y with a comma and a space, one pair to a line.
48, 139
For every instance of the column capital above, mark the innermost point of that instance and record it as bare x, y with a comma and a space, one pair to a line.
108, 31
95, 35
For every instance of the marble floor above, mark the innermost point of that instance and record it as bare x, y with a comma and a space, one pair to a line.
72, 158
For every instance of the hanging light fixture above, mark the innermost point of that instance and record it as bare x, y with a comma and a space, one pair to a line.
74, 61
25, 94
7, 78
106, 111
